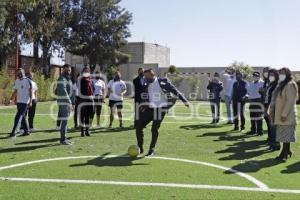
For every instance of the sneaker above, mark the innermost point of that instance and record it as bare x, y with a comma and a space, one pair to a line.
99, 126
236, 129
87, 133
32, 130
57, 128
66, 142
12, 136
110, 126
151, 153
121, 125
25, 134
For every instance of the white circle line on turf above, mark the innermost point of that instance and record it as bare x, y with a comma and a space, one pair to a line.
152, 184
258, 183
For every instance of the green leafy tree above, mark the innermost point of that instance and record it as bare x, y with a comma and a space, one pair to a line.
246, 69
98, 30
172, 69
45, 23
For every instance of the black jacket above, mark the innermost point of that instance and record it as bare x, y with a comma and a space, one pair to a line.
138, 88
215, 89
239, 90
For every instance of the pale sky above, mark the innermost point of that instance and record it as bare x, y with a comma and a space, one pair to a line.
217, 32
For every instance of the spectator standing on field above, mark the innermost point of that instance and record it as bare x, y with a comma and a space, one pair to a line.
138, 83
65, 102
99, 95
283, 112
273, 81
32, 109
215, 87
23, 93
116, 90
228, 91
86, 105
256, 107
239, 100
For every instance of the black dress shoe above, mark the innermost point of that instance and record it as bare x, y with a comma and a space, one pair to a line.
151, 153
87, 133
82, 132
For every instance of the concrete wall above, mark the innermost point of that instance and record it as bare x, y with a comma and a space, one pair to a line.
154, 53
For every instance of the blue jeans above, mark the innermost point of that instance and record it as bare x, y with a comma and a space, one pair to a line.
63, 116
228, 103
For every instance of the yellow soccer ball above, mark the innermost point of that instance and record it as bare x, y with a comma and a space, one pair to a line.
133, 151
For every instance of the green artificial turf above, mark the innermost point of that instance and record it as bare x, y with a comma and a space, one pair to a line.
186, 136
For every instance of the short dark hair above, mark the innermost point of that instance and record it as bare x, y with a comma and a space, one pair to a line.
256, 74
216, 74
66, 66
150, 70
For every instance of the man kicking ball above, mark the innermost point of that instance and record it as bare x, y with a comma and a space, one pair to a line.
156, 101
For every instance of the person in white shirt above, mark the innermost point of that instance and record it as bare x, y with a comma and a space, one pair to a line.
116, 90
99, 94
32, 109
23, 92
256, 104
228, 91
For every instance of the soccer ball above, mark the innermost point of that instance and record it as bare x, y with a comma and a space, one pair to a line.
133, 151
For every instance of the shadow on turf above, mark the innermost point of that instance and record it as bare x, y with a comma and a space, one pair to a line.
201, 126
26, 148
101, 161
51, 140
252, 166
293, 168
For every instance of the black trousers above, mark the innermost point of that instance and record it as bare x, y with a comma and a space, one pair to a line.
136, 113
256, 115
239, 113
215, 110
76, 111
20, 117
86, 110
146, 115
98, 105
31, 114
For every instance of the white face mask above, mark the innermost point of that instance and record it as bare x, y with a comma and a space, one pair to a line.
256, 79
86, 74
266, 74
282, 77
272, 79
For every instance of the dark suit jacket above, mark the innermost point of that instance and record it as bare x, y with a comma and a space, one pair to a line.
138, 89
239, 90
171, 92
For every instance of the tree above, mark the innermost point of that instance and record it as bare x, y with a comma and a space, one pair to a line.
45, 24
172, 69
245, 69
98, 30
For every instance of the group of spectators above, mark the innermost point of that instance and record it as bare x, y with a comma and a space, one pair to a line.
271, 96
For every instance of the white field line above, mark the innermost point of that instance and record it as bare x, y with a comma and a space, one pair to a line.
151, 184
258, 183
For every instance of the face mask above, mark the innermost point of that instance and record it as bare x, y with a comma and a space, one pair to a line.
216, 78
117, 78
86, 74
266, 74
20, 75
272, 79
256, 79
282, 77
